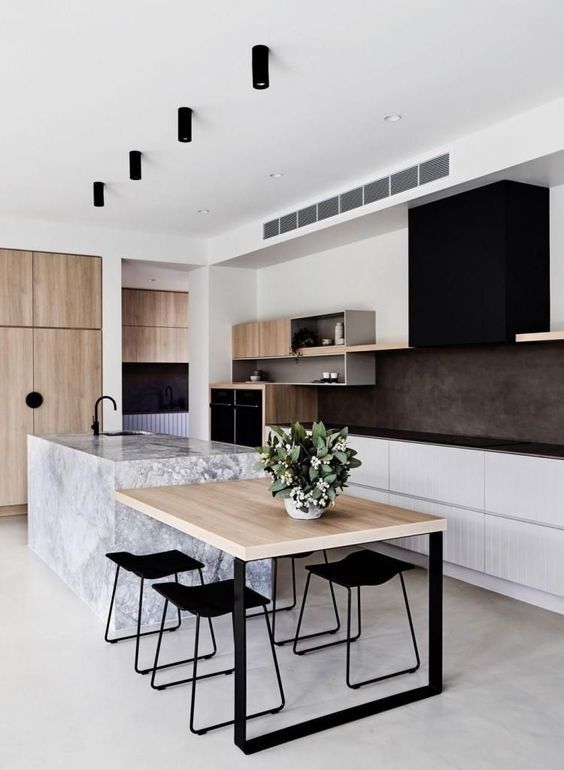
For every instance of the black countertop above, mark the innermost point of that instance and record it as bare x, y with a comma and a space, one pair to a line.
491, 444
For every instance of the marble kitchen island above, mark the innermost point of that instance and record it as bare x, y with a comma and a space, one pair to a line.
73, 519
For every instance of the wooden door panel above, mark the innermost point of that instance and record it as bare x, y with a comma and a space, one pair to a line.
143, 307
67, 291
16, 288
274, 337
16, 418
68, 373
245, 340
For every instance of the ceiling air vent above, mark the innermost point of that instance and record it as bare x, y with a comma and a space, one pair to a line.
399, 182
307, 216
328, 208
270, 229
289, 222
404, 180
375, 191
436, 168
351, 200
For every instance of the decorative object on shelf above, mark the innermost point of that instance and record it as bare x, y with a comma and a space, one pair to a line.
334, 376
339, 333
303, 338
327, 341
309, 469
257, 375
326, 376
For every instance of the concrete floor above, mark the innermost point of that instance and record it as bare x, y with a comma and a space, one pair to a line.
69, 701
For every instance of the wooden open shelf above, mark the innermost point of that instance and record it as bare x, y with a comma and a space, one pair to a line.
540, 337
376, 347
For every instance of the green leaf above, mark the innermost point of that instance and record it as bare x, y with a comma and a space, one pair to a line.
331, 478
278, 485
313, 473
341, 457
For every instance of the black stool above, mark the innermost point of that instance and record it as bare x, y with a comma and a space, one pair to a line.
152, 566
361, 568
210, 601
291, 606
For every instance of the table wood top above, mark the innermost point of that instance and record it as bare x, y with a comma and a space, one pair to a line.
243, 519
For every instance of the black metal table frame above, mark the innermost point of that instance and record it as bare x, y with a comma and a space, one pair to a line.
326, 721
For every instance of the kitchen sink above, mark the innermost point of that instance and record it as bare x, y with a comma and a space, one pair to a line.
126, 433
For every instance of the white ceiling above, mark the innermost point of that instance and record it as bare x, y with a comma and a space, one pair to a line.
137, 274
83, 82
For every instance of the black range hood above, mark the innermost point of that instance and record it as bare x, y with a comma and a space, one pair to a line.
479, 266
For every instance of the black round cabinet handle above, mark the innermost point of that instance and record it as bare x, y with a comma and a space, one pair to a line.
34, 399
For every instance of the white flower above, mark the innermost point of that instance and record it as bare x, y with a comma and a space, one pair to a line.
315, 462
341, 445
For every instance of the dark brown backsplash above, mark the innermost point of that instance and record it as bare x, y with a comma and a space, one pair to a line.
505, 391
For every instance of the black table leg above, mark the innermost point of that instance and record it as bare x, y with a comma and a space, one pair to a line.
240, 643
317, 724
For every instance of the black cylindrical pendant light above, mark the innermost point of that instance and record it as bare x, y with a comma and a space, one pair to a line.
184, 124
98, 193
134, 164
260, 67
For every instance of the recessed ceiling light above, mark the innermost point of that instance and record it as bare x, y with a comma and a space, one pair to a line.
276, 175
392, 118
153, 280
203, 211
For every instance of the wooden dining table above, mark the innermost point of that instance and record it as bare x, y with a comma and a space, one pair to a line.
244, 520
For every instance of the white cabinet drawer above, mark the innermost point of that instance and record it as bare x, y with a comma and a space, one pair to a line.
529, 554
373, 453
376, 495
448, 474
525, 487
463, 539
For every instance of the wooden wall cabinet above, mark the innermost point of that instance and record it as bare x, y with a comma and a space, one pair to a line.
274, 337
67, 291
154, 344
144, 307
16, 288
16, 418
245, 340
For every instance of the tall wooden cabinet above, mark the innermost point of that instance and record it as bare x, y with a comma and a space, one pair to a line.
50, 343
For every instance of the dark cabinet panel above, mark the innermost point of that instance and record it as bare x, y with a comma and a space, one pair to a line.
236, 416
479, 266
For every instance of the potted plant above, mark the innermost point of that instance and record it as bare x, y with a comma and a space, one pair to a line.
303, 338
309, 469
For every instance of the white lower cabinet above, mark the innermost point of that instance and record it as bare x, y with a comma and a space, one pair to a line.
524, 553
376, 495
463, 539
374, 455
523, 487
444, 473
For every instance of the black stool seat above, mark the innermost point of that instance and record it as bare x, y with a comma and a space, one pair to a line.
152, 566
208, 601
361, 568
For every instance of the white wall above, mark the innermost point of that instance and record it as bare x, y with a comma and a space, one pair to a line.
557, 258
366, 275
219, 298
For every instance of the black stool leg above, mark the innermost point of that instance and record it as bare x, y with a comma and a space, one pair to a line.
291, 639
129, 636
202, 730
298, 638
157, 667
356, 685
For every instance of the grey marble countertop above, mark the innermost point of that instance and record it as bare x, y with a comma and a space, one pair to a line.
152, 446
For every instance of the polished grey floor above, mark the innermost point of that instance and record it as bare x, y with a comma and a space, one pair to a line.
68, 701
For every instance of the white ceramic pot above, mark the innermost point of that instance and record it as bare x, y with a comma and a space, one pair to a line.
296, 513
